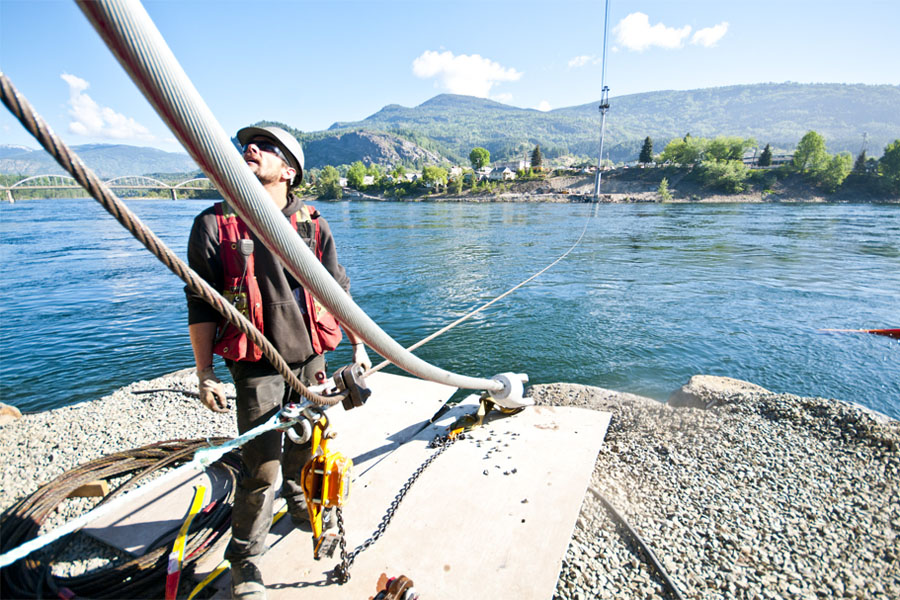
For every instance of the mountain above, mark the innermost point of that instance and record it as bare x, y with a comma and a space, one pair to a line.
772, 113
107, 160
345, 147
446, 128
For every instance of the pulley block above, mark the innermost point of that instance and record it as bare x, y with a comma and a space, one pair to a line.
351, 378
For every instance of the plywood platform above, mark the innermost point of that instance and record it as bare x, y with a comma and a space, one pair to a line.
490, 518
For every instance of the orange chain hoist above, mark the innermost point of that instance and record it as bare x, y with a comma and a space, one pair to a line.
326, 485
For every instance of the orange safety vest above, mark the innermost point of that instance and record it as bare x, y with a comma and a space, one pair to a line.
242, 290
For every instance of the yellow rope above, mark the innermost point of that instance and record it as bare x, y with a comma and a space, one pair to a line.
177, 555
225, 565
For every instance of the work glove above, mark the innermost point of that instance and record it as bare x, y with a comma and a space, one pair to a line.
212, 391
360, 357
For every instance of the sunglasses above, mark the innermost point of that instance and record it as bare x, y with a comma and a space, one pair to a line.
267, 147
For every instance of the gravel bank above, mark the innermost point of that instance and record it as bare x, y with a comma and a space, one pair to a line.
760, 496
41, 446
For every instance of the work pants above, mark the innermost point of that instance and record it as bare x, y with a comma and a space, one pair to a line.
260, 394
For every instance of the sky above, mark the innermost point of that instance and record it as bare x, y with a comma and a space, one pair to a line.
312, 63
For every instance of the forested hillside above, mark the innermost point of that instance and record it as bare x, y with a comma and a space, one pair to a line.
777, 114
447, 127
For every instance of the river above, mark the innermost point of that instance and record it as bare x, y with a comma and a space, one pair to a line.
653, 294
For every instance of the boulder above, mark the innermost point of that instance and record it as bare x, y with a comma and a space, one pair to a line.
8, 413
704, 391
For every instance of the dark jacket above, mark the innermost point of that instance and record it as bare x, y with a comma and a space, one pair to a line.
284, 324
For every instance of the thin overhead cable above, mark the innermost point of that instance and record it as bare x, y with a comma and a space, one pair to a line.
471, 314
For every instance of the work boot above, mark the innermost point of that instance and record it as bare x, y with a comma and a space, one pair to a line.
246, 581
296, 504
300, 517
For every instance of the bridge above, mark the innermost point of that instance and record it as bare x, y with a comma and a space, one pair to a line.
126, 182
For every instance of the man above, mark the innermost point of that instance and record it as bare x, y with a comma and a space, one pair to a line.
228, 255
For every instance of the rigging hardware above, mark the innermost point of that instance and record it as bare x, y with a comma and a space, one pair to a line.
604, 102
326, 485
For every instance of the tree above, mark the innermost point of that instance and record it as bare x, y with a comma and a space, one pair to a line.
687, 151
375, 171
860, 165
329, 184
456, 184
436, 176
356, 175
647, 152
536, 158
726, 175
765, 159
479, 157
810, 156
728, 148
889, 164
835, 172
663, 189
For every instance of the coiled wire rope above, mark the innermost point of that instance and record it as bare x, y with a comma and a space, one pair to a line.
141, 577
20, 107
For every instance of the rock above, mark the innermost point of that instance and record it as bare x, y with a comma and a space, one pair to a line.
703, 391
9, 413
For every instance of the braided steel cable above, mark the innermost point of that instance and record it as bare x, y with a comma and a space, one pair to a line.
21, 108
136, 42
141, 577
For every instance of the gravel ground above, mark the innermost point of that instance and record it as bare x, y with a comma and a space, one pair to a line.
760, 496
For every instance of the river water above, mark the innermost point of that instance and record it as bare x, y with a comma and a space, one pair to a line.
653, 294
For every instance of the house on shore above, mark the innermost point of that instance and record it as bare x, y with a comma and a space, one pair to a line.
502, 174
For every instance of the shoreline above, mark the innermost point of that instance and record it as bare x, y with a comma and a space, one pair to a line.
606, 198
761, 495
643, 197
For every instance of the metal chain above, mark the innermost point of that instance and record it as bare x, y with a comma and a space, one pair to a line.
342, 571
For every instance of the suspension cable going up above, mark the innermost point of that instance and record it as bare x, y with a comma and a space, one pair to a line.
604, 101
21, 108
471, 314
133, 38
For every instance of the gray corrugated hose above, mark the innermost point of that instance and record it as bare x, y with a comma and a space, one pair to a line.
133, 38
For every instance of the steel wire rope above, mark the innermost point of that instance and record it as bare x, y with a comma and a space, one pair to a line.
140, 577
471, 314
23, 111
141, 50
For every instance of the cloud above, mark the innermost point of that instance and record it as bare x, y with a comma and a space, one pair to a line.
472, 75
544, 106
635, 33
709, 36
580, 61
92, 120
